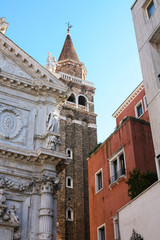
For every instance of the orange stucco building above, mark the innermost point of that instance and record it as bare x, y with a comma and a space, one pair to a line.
129, 146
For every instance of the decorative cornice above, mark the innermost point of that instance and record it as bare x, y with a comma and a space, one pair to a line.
128, 100
28, 64
39, 156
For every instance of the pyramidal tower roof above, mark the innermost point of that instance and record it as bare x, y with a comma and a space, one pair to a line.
68, 51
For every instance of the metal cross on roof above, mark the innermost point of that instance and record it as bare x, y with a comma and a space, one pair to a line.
69, 26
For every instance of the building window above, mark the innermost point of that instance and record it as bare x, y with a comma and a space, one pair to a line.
82, 101
69, 153
98, 180
71, 98
116, 228
117, 167
139, 109
69, 182
69, 214
101, 232
150, 8
145, 103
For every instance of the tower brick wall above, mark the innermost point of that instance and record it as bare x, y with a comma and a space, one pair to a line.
79, 134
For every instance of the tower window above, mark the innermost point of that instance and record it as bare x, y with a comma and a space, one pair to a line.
69, 153
69, 182
82, 101
71, 98
69, 214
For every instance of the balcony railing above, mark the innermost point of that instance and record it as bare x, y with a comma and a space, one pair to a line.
76, 79
118, 174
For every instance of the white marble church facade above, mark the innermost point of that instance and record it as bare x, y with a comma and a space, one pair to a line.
30, 146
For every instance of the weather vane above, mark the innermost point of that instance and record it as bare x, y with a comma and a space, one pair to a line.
69, 26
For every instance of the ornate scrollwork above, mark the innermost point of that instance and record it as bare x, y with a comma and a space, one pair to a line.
10, 216
10, 122
12, 185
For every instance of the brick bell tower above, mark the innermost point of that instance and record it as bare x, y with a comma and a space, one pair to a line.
79, 137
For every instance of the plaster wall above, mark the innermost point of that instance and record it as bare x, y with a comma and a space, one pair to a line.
142, 215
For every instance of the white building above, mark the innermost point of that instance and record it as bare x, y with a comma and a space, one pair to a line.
30, 146
146, 17
140, 217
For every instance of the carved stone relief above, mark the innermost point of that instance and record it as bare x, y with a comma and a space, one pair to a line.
9, 216
3, 206
12, 185
10, 122
9, 66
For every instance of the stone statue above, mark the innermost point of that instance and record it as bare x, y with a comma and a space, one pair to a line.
11, 215
51, 63
53, 122
3, 25
53, 142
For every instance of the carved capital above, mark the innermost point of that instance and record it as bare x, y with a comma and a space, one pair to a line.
45, 236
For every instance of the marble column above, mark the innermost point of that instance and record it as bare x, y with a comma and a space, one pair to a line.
46, 212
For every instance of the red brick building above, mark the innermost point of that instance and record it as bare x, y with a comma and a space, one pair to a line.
130, 146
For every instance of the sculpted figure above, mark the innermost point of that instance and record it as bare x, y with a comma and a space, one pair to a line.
51, 63
11, 215
53, 122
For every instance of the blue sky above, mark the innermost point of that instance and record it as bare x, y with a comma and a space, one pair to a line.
103, 36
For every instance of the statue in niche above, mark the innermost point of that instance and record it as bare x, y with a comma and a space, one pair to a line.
11, 215
53, 122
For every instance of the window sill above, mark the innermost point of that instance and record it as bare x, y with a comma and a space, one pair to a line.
70, 220
117, 181
140, 116
99, 190
69, 187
